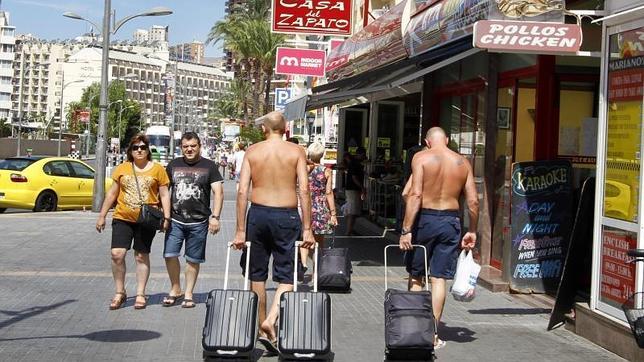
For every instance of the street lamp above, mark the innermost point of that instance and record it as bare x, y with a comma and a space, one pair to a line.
101, 156
62, 111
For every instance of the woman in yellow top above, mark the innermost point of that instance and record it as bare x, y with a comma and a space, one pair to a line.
152, 187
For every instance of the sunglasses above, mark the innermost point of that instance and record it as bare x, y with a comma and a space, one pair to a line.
140, 147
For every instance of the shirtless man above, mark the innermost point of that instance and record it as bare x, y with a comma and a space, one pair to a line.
274, 167
439, 175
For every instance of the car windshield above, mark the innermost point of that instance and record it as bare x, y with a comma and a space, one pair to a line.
15, 164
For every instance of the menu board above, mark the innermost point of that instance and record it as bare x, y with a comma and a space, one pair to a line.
617, 276
541, 220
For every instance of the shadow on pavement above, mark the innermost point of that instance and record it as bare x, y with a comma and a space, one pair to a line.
23, 314
112, 336
525, 311
456, 334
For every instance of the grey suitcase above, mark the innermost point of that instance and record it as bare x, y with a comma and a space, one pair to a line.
305, 321
230, 329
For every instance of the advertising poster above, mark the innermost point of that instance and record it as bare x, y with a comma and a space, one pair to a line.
542, 215
617, 276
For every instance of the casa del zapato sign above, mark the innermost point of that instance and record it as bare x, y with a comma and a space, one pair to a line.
321, 17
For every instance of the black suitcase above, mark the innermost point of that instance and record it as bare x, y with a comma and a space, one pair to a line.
334, 272
305, 321
230, 329
410, 326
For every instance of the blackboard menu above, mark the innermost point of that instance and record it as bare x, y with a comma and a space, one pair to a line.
541, 222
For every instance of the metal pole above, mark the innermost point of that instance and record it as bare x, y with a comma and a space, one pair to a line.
99, 178
22, 82
174, 108
60, 123
119, 124
89, 133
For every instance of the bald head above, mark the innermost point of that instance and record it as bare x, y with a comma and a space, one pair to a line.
436, 136
274, 122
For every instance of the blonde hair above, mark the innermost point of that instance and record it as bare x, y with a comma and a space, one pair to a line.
315, 151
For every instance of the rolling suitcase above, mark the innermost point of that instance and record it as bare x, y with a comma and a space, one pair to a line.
305, 321
230, 329
334, 273
410, 326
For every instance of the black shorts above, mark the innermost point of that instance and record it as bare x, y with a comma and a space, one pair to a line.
124, 232
272, 231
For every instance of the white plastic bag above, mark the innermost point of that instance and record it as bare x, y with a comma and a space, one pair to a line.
467, 272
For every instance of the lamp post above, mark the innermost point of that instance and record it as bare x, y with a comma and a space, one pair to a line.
101, 156
62, 111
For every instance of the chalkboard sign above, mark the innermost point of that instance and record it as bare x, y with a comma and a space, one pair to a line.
541, 221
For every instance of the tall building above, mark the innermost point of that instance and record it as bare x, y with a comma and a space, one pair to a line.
157, 33
188, 52
7, 49
232, 7
141, 35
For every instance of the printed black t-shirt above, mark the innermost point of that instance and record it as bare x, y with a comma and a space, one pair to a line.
191, 188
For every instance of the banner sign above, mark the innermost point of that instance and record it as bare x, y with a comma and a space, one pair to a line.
326, 17
617, 274
83, 116
291, 61
282, 95
541, 222
528, 37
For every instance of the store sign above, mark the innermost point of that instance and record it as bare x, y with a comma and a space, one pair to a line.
326, 17
334, 43
291, 61
83, 116
527, 37
282, 95
617, 275
541, 220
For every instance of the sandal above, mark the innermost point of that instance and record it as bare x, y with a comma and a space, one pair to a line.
171, 300
118, 303
188, 303
439, 344
138, 305
270, 346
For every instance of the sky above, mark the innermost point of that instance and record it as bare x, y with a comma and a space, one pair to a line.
191, 20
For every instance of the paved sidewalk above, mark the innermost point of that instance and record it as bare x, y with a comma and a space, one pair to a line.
57, 284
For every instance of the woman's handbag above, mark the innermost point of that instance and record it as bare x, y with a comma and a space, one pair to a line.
150, 217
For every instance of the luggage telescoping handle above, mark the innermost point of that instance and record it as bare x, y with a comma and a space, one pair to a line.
415, 246
315, 267
246, 277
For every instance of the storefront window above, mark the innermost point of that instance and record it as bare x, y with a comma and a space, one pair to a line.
624, 126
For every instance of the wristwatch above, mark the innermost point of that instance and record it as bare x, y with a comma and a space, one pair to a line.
404, 231
214, 217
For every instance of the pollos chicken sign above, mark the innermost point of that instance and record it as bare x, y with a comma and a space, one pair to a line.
327, 17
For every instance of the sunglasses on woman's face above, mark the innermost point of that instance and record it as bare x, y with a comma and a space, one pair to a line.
140, 147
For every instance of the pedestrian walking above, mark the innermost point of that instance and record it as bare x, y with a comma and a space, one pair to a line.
136, 182
354, 190
193, 178
439, 176
273, 167
238, 158
323, 211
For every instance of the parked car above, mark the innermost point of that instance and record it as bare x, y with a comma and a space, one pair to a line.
46, 183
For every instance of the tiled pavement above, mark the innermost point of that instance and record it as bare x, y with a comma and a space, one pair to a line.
56, 285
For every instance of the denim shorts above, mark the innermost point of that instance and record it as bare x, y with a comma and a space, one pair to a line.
272, 231
195, 237
440, 232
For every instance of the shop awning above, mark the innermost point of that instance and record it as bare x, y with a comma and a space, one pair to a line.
390, 81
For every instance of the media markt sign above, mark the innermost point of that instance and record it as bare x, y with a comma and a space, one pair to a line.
326, 17
527, 37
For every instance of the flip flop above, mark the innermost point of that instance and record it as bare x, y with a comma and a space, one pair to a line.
171, 300
188, 303
439, 344
270, 346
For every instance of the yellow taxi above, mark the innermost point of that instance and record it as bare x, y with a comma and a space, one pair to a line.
46, 183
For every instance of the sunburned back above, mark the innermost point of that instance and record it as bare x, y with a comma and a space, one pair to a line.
445, 173
273, 173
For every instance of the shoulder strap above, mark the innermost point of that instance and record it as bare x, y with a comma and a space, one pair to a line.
138, 189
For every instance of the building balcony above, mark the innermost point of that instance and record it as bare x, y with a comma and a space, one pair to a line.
7, 56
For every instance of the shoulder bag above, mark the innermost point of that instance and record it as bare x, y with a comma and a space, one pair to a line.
150, 217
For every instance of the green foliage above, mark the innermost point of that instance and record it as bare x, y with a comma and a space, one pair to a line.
250, 134
234, 104
5, 127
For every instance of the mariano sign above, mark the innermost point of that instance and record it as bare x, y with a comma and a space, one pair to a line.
326, 17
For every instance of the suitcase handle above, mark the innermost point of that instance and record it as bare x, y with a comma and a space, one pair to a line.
415, 246
246, 277
315, 267
304, 355
230, 353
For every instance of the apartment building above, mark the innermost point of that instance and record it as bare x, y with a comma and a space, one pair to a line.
7, 49
188, 52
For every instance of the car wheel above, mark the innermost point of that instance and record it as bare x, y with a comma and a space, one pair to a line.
2, 209
46, 201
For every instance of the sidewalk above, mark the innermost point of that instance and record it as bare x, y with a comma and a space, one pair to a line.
57, 285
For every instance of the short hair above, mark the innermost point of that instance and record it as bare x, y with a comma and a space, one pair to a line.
435, 131
274, 121
191, 136
315, 151
241, 146
139, 137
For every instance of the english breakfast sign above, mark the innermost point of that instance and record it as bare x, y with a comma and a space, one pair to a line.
326, 17
525, 36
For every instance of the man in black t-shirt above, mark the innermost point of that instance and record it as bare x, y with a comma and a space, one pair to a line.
354, 190
192, 179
